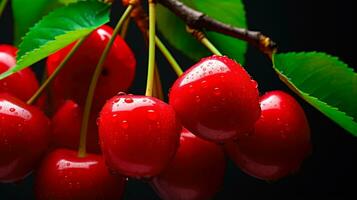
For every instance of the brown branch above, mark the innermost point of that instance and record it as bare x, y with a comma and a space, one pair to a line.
201, 21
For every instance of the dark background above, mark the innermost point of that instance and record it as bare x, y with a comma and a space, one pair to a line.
302, 25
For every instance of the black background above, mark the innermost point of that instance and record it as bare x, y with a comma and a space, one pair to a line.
302, 25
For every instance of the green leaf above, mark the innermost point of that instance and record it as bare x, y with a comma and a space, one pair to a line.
324, 81
58, 29
27, 13
227, 11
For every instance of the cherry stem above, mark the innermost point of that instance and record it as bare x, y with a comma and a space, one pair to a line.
201, 37
151, 62
158, 86
93, 83
48, 81
125, 27
175, 66
2, 6
210, 46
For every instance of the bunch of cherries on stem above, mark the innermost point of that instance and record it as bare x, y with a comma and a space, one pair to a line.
214, 108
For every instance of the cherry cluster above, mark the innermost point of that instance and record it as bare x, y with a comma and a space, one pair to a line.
214, 109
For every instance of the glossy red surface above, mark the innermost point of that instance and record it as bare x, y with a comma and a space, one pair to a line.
22, 84
73, 81
139, 135
24, 132
281, 138
66, 127
196, 173
216, 99
269, 172
64, 176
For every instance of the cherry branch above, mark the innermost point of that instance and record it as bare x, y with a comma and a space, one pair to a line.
198, 20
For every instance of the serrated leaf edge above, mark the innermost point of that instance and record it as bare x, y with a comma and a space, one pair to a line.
307, 96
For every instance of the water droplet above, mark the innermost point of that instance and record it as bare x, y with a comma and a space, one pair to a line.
116, 100
121, 93
198, 99
115, 115
124, 124
204, 84
151, 114
12, 109
144, 100
128, 100
190, 88
216, 91
4, 83
255, 83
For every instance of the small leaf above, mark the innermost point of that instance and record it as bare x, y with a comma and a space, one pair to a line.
58, 29
227, 11
324, 81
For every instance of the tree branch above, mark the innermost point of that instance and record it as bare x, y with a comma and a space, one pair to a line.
201, 21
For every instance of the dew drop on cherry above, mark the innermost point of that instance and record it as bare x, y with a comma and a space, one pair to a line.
152, 115
128, 100
124, 124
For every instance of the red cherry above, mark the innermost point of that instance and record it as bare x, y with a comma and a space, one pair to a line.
196, 173
66, 127
139, 135
216, 99
22, 84
281, 138
23, 138
269, 172
73, 81
64, 176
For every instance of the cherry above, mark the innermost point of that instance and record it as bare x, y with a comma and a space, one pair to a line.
195, 173
66, 127
139, 135
22, 84
62, 175
73, 81
280, 140
216, 99
24, 133
269, 172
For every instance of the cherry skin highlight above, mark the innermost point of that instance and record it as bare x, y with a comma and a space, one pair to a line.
139, 135
196, 173
216, 99
22, 84
66, 127
280, 140
74, 79
24, 137
64, 176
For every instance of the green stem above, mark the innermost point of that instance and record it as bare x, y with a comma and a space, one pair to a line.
158, 85
175, 66
47, 82
2, 6
93, 84
151, 62
125, 27
210, 46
